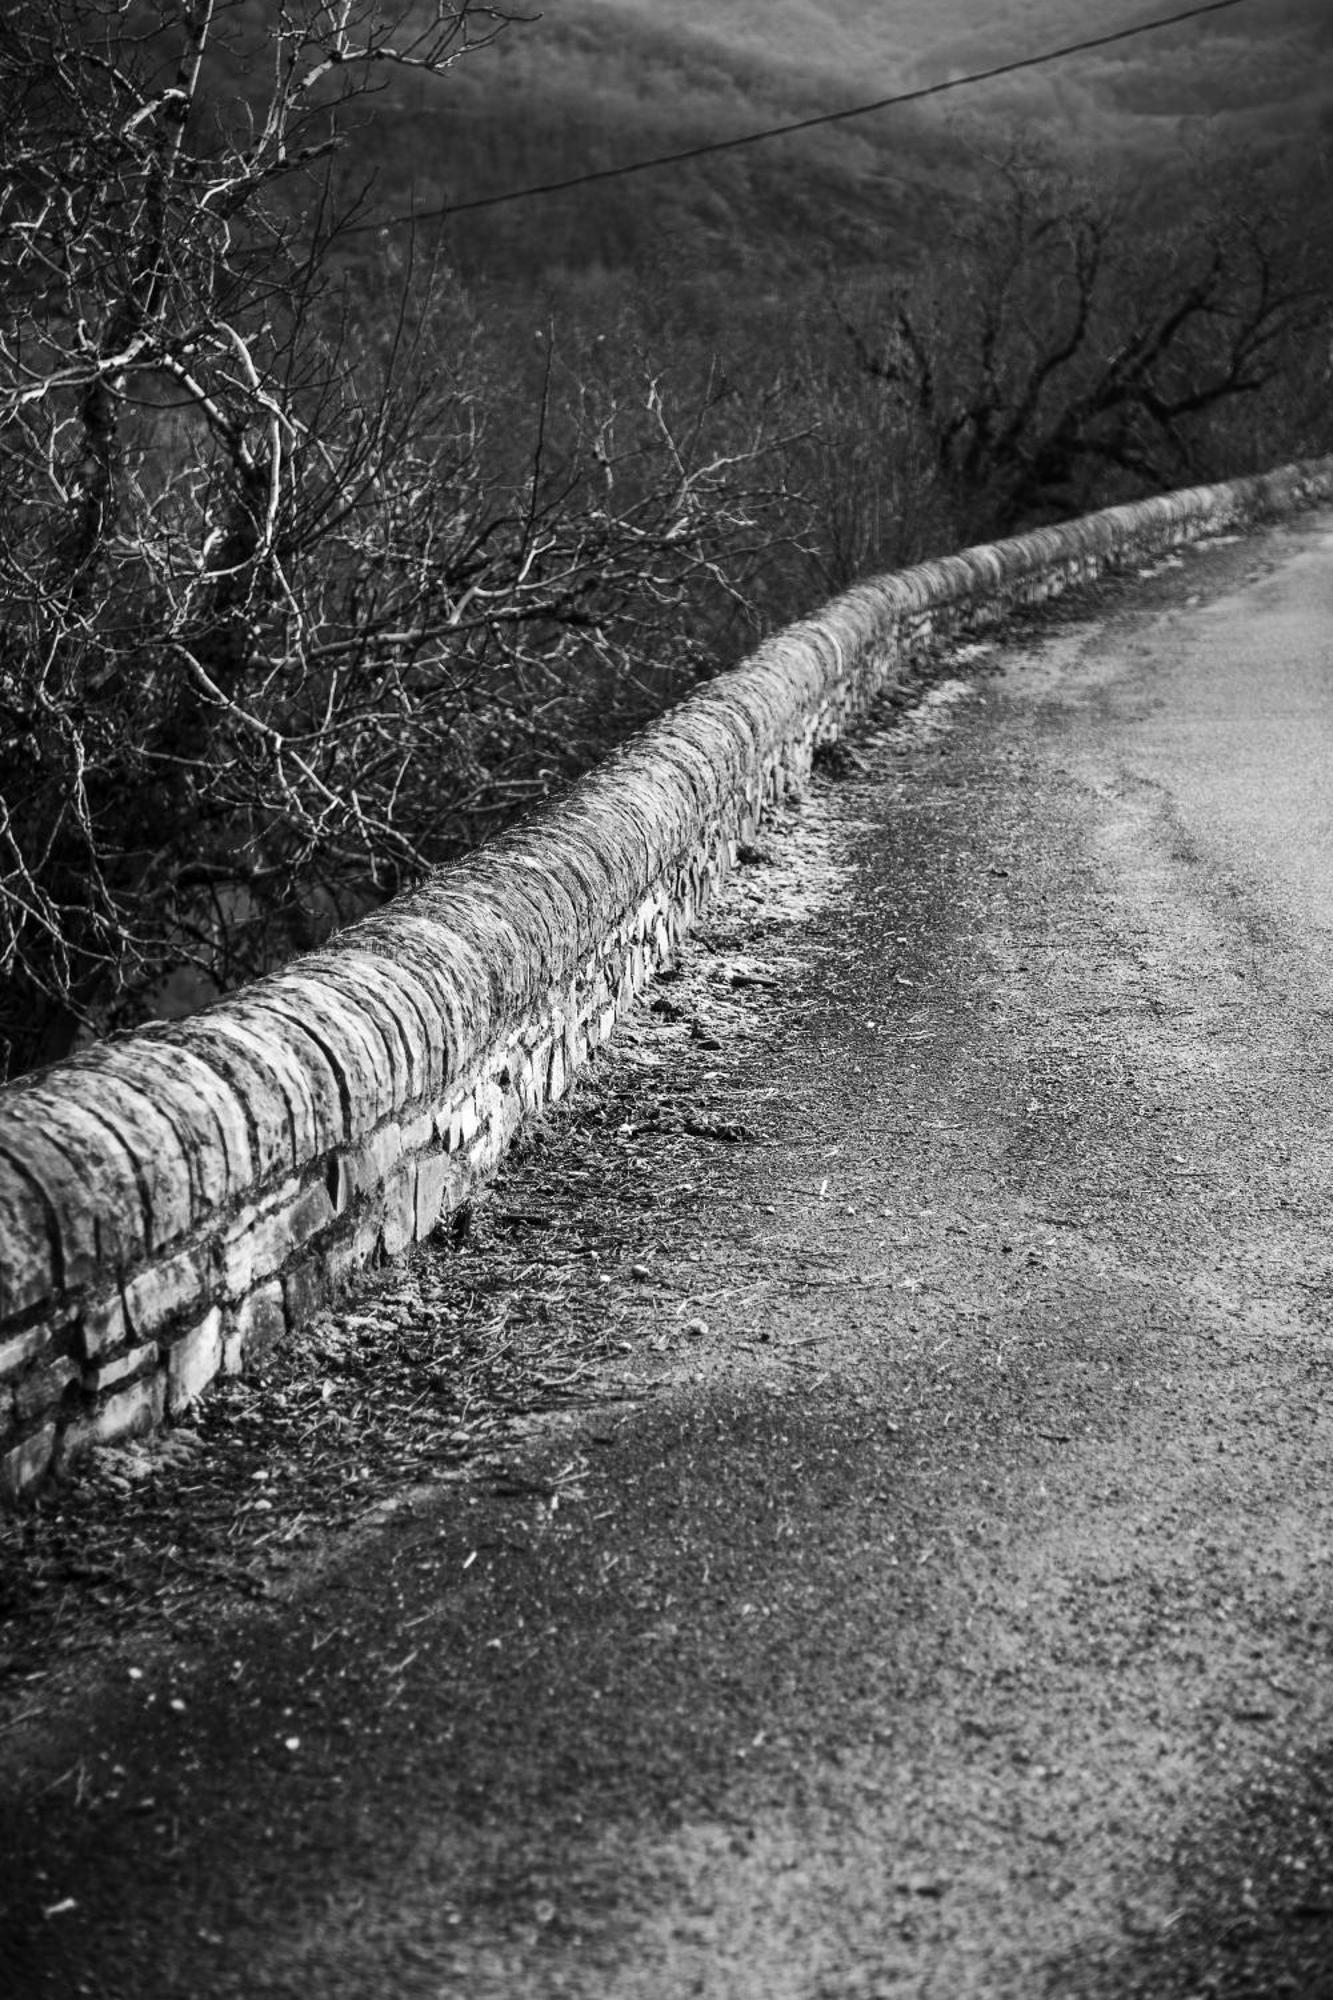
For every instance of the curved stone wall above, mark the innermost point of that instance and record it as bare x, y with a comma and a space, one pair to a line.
171, 1203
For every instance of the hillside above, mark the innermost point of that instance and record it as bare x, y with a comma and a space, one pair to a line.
594, 83
587, 85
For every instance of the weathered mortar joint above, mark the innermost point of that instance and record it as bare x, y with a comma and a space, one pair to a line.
173, 1205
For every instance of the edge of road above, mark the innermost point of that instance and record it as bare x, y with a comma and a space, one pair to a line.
173, 1203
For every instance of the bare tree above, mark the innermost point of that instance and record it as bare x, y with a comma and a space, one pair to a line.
1072, 346
287, 613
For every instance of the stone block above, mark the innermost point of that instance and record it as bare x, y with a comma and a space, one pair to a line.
361, 1249
84, 1183
483, 1103
40, 1390
210, 1088
531, 1084
27, 1271
420, 927
192, 1362
269, 1080
364, 1168
102, 1325
380, 1155
419, 988
419, 1133
120, 1368
382, 991
144, 1080
306, 1288
24, 1464
436, 1175
537, 1073
295, 1055
166, 1159
165, 1291
500, 933
350, 1039
262, 1240
507, 1119
128, 1412
399, 1220
309, 1213
464, 1123
483, 1157
255, 1327
22, 1348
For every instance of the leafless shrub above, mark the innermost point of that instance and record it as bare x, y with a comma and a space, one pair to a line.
1072, 345
293, 602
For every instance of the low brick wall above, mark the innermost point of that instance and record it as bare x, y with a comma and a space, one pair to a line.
172, 1203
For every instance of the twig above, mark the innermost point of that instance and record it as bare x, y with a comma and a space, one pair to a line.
15, 1720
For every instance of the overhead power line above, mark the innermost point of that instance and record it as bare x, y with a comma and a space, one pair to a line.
710, 146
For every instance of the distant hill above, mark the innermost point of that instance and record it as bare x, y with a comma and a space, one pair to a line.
594, 83
587, 85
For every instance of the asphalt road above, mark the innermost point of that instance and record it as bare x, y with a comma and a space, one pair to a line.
936, 1600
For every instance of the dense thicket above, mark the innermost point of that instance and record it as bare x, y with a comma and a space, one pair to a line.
315, 564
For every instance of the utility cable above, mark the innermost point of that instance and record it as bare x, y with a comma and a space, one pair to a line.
702, 151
